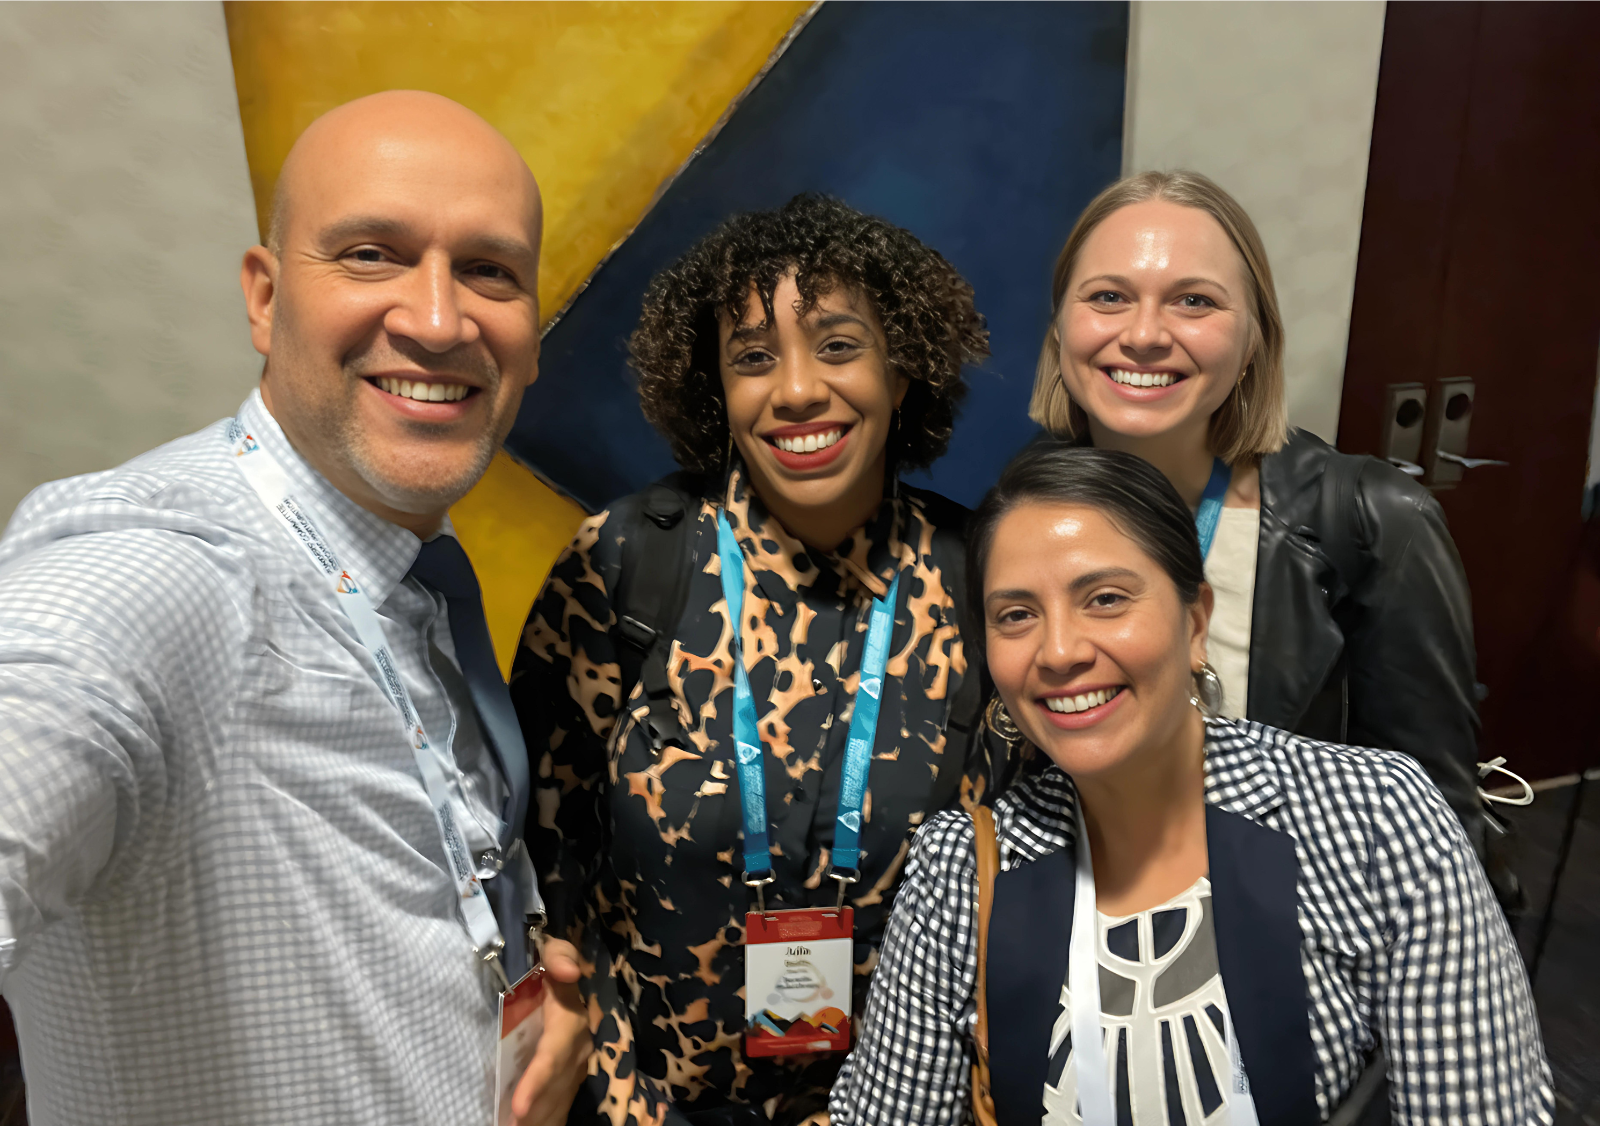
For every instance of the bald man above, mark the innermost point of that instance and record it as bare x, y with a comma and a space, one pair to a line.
261, 789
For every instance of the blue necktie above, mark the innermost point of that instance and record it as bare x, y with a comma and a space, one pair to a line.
443, 566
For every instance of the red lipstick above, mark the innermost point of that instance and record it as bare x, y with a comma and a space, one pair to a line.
802, 460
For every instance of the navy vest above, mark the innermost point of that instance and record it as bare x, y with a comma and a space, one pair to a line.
1255, 897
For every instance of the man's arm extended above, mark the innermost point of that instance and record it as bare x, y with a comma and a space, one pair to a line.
109, 644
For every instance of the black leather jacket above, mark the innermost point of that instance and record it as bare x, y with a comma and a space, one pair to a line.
1382, 657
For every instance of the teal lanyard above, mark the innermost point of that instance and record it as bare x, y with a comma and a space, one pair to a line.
747, 733
1206, 520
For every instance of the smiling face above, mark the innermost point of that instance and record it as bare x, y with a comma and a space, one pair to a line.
810, 399
399, 312
1155, 328
1088, 642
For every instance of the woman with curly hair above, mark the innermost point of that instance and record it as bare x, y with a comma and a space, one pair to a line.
745, 687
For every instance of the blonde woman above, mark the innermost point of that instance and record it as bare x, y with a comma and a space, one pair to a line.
1342, 610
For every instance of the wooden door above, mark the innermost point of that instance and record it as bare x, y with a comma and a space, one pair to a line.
1480, 258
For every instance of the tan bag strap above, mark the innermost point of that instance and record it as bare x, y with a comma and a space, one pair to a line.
988, 850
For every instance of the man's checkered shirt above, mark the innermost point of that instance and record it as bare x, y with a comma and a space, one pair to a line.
221, 892
1402, 939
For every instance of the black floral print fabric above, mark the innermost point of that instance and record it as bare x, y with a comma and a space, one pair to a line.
640, 856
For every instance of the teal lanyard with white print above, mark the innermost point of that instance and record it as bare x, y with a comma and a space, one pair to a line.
747, 733
1210, 513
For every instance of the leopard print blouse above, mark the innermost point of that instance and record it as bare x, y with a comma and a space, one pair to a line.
640, 856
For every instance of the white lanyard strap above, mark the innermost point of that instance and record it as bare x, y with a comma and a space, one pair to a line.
267, 478
1083, 982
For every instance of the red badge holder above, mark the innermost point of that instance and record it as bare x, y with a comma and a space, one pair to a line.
799, 972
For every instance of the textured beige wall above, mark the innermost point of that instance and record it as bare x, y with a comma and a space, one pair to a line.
1273, 101
125, 206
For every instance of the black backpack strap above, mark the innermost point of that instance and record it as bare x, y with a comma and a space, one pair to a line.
657, 529
968, 700
965, 722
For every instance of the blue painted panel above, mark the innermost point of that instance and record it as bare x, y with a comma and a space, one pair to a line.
981, 128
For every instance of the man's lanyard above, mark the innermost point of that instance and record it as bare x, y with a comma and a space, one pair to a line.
267, 478
747, 734
1210, 513
1083, 983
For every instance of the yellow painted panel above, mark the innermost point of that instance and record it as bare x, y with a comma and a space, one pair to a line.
512, 526
605, 100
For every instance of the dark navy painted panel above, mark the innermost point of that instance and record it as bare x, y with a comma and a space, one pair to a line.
982, 128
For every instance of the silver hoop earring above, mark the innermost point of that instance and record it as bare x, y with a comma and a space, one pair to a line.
1206, 694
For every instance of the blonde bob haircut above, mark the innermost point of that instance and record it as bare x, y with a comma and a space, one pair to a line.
1252, 421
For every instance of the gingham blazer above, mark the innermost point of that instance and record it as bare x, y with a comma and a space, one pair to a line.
1350, 912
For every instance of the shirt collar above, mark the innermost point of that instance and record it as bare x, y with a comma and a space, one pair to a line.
1241, 776
1037, 817
872, 555
375, 552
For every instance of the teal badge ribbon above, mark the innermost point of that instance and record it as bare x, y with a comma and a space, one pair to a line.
1210, 514
747, 732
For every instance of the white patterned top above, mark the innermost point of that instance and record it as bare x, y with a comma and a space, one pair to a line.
1161, 1005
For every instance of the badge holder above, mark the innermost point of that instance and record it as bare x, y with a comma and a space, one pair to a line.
521, 1021
799, 969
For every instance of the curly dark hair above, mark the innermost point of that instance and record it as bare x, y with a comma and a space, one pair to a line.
926, 309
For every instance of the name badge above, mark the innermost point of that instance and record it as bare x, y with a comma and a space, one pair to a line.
798, 970
521, 1022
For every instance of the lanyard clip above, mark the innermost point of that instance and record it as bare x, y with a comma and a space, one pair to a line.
846, 877
492, 960
537, 921
760, 885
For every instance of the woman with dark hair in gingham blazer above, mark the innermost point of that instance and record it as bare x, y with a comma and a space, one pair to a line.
1278, 926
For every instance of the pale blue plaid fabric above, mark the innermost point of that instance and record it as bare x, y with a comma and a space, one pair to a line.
221, 899
1402, 941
